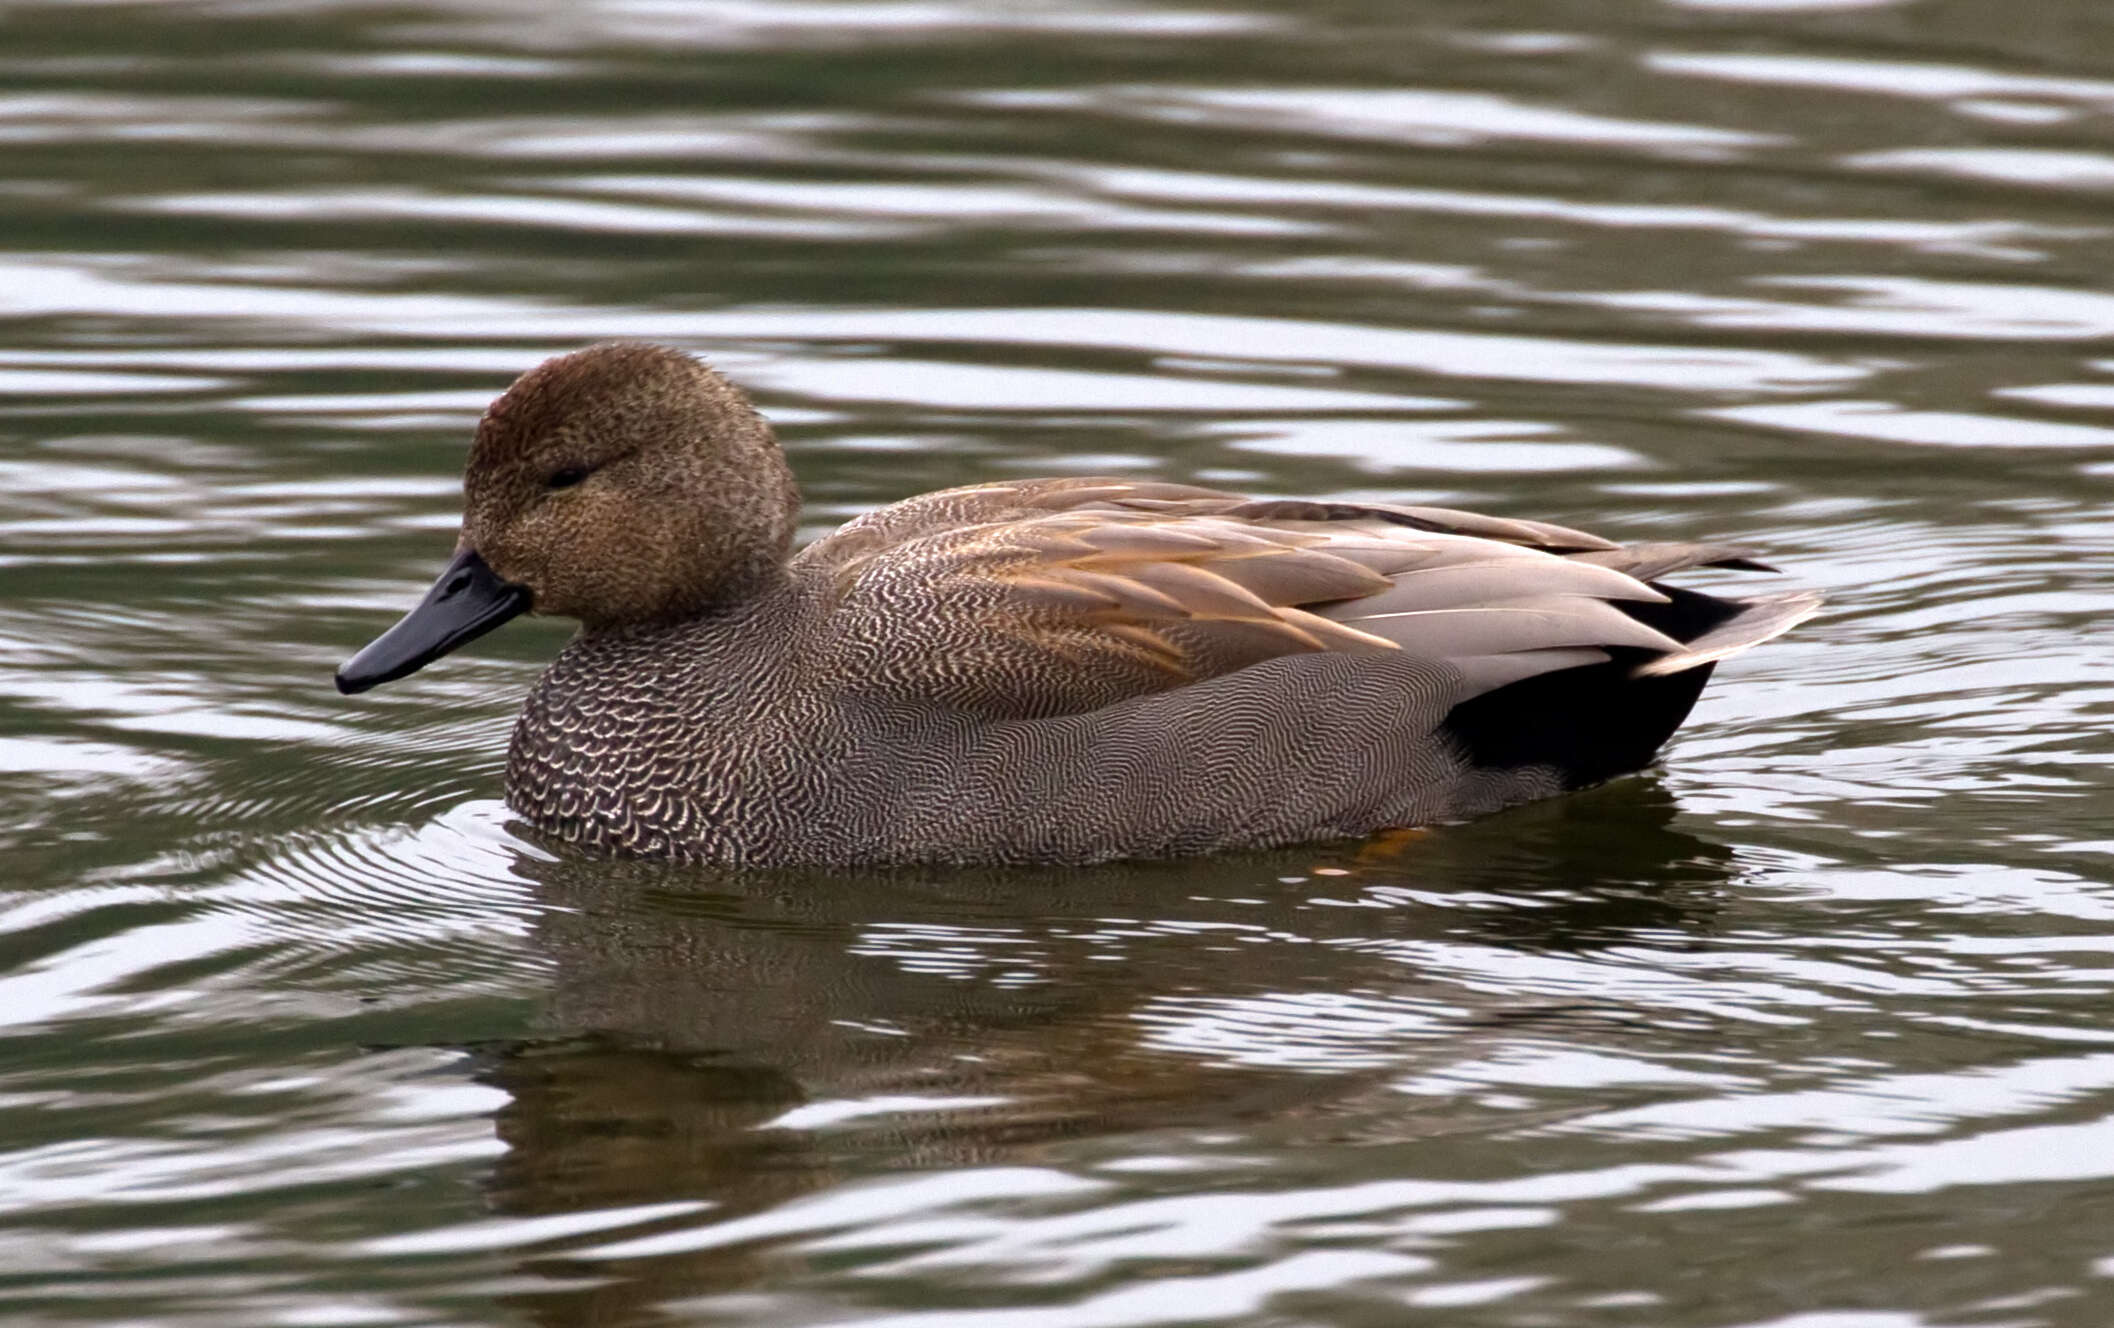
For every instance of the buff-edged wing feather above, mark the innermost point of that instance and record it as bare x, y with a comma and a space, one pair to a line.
945, 511
1087, 590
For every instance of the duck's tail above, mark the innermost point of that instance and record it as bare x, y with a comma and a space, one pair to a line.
1598, 721
1710, 629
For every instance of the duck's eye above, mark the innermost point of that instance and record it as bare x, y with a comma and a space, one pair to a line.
566, 478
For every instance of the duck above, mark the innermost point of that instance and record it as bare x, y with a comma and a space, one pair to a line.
1042, 671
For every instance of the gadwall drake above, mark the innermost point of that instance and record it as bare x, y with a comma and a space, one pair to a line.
1041, 671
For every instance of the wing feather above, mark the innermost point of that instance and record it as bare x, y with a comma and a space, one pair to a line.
1077, 592
1282, 577
1200, 591
1539, 623
1493, 581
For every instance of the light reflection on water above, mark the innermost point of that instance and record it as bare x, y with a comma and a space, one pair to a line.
1806, 1028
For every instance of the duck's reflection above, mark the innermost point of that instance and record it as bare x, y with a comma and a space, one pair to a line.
742, 1041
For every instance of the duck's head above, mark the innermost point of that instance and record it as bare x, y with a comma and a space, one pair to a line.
620, 485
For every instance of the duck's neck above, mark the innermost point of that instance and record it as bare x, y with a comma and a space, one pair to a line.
730, 594
750, 626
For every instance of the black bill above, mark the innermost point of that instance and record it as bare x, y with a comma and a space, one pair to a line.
467, 601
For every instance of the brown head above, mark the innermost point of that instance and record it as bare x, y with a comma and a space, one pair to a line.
621, 485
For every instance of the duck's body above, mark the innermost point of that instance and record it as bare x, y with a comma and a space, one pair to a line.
1046, 671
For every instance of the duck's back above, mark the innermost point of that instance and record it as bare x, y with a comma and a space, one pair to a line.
1077, 670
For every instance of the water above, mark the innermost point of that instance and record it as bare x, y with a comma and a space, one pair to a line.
1807, 1028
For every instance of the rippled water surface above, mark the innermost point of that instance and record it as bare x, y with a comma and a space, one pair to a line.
1813, 1026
